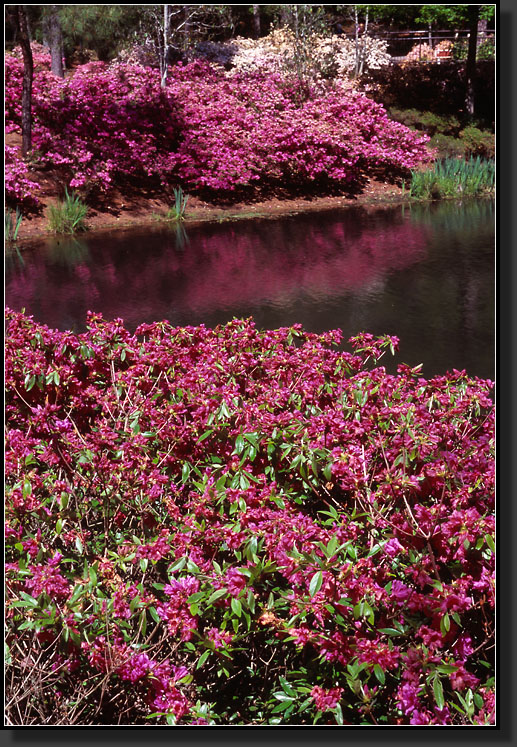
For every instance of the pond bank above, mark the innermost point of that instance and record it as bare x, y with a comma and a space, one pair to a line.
124, 212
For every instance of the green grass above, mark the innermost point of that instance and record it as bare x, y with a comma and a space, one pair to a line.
454, 177
68, 215
13, 221
177, 211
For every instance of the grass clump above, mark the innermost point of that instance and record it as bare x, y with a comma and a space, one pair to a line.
177, 211
68, 215
13, 221
454, 177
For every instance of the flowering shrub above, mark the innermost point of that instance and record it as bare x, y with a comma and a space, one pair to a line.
210, 130
331, 56
235, 526
19, 187
372, 51
421, 51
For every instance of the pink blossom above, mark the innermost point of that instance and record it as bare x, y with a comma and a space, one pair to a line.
326, 700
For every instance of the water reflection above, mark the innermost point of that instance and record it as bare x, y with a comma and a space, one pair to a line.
67, 251
13, 257
180, 235
424, 273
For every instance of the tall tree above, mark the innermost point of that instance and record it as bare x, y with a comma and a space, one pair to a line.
164, 57
256, 20
20, 19
470, 68
55, 39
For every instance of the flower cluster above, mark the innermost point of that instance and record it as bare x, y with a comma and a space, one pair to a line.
326, 699
423, 52
20, 189
211, 130
188, 508
330, 56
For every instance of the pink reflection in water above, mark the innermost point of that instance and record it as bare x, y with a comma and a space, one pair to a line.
241, 266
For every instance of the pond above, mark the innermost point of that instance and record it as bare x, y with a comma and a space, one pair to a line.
422, 272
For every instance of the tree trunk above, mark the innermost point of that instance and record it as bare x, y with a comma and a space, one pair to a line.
28, 74
187, 29
470, 69
55, 38
256, 20
164, 62
363, 47
356, 30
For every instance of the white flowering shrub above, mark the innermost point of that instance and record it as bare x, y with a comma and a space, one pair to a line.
374, 52
322, 57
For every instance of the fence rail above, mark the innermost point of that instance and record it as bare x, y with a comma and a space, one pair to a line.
423, 45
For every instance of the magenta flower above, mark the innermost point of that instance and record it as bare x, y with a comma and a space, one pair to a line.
326, 700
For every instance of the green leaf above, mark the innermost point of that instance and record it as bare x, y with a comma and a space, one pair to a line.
22, 603
283, 697
217, 594
28, 624
478, 700
379, 673
332, 546
315, 584
445, 624
29, 382
204, 656
178, 565
490, 542
142, 621
438, 692
205, 435
287, 688
185, 472
327, 472
236, 606
196, 597
389, 631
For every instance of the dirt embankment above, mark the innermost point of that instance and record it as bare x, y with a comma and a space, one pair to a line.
121, 211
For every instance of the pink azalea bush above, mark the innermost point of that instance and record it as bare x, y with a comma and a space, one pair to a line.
107, 125
231, 526
20, 188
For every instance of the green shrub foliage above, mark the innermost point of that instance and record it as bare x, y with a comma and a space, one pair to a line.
239, 527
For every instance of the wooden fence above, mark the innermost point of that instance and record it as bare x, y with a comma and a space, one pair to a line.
428, 45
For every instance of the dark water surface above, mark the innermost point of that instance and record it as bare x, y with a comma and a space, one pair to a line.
423, 272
